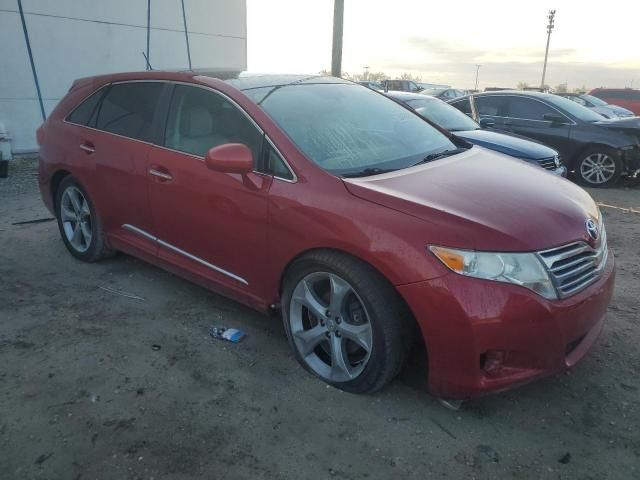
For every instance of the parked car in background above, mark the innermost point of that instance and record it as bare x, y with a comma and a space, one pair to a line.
597, 150
424, 85
401, 85
597, 105
453, 120
349, 213
372, 85
445, 94
623, 97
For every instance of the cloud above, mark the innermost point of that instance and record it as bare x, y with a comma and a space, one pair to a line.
451, 62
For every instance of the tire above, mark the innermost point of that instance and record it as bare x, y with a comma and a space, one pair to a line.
598, 167
368, 302
79, 222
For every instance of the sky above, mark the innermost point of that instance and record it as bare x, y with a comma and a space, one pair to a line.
442, 41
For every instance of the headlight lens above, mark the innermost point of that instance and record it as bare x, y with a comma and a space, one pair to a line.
522, 269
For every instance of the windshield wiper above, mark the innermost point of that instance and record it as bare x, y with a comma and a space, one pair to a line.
367, 171
444, 153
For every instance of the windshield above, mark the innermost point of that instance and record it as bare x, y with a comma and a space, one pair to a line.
432, 91
578, 111
347, 129
595, 100
442, 114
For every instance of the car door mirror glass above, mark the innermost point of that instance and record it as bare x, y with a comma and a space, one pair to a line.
230, 158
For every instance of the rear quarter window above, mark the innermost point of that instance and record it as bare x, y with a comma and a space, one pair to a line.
463, 105
84, 113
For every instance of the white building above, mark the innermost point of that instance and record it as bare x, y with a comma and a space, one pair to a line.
70, 39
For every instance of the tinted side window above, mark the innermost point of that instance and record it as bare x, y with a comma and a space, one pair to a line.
463, 105
276, 166
635, 95
83, 112
490, 105
200, 119
528, 109
128, 109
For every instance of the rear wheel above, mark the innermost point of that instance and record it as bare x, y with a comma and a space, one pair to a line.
598, 167
79, 222
344, 322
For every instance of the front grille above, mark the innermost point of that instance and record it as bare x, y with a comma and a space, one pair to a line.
575, 266
548, 163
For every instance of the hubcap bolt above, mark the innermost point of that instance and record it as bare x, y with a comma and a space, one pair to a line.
328, 313
328, 334
338, 334
338, 320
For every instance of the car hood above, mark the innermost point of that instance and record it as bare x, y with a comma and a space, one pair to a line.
484, 200
507, 144
630, 124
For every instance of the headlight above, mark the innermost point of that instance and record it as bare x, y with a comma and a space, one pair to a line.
522, 269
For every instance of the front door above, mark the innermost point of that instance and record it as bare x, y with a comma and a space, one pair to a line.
527, 118
211, 224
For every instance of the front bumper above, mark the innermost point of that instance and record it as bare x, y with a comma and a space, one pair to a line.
483, 336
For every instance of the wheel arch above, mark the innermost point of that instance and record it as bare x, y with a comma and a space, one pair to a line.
589, 146
310, 251
56, 180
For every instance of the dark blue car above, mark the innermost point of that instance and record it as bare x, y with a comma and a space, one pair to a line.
453, 120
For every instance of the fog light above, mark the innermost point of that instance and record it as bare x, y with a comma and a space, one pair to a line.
491, 362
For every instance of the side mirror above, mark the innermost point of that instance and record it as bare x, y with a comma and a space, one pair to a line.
555, 118
230, 158
487, 123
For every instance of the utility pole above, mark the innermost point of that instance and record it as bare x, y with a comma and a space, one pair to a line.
477, 73
550, 25
336, 51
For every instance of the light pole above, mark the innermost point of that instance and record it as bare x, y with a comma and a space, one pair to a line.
550, 25
477, 73
336, 50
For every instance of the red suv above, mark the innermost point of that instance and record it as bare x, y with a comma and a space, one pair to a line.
364, 223
623, 97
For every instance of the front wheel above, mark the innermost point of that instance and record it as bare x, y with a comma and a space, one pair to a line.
345, 322
598, 167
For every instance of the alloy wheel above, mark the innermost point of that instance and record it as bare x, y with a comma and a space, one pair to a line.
75, 215
330, 327
598, 168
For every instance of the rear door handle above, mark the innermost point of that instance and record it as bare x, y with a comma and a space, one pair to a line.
164, 176
88, 147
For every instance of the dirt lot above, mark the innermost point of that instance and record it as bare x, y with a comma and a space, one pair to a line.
97, 385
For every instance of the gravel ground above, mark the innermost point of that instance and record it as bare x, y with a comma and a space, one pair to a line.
97, 385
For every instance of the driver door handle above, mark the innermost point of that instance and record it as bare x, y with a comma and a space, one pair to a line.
163, 176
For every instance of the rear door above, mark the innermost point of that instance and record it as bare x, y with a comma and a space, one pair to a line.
526, 117
492, 108
208, 223
118, 143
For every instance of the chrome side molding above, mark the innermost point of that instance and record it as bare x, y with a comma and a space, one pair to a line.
199, 260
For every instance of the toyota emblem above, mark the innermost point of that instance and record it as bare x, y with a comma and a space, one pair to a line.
592, 228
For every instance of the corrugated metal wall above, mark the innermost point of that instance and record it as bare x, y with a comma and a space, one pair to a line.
76, 38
